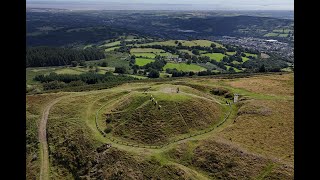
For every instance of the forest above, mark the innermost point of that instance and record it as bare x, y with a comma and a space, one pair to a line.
57, 56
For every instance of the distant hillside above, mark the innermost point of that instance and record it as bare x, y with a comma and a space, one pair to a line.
58, 28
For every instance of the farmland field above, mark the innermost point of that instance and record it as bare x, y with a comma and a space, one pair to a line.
184, 67
249, 54
143, 61
216, 56
230, 53
116, 43
235, 69
271, 34
111, 49
145, 50
244, 59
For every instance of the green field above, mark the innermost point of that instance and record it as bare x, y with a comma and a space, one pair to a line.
271, 34
68, 71
286, 31
111, 49
235, 69
110, 44
253, 55
184, 67
244, 59
145, 50
230, 53
166, 54
283, 35
143, 61
216, 56
186, 51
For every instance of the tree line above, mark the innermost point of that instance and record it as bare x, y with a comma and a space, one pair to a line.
57, 81
43, 56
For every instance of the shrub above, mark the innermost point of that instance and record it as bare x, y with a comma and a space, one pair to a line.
53, 85
108, 129
104, 64
153, 73
74, 63
120, 70
219, 91
108, 120
82, 63
228, 95
77, 83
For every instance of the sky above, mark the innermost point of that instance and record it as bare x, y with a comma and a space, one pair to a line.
218, 4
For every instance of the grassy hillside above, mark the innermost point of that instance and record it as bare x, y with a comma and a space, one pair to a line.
244, 146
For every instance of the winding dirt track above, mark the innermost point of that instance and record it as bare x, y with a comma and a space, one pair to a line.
44, 167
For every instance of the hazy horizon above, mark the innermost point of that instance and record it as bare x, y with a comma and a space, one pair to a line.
163, 4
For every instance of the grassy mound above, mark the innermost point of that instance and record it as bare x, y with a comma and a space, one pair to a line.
139, 120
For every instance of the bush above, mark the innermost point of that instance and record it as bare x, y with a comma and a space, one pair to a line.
108, 120
108, 73
120, 70
53, 85
82, 63
228, 95
219, 91
74, 63
108, 129
104, 64
153, 73
77, 83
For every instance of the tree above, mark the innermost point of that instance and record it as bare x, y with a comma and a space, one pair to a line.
135, 69
189, 61
108, 129
195, 52
231, 69
153, 73
213, 45
82, 63
120, 70
132, 60
74, 63
104, 64
191, 73
262, 68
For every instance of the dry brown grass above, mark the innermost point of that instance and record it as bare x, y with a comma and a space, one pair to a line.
268, 84
34, 108
265, 126
222, 159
